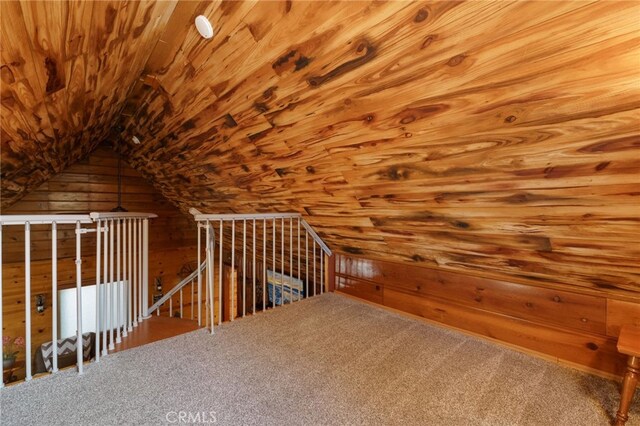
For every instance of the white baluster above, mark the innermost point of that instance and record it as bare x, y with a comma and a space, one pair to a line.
210, 249
321, 271
131, 290
1, 378
125, 281
98, 287
141, 287
291, 259
244, 267
103, 295
282, 263
118, 278
233, 309
264, 265
145, 267
220, 268
299, 276
110, 288
253, 275
273, 286
27, 298
135, 273
79, 345
54, 296
199, 277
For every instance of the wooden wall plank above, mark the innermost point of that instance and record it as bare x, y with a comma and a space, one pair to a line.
569, 326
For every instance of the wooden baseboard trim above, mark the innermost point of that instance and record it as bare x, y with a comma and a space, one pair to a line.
546, 357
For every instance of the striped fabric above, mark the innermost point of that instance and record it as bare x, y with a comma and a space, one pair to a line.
65, 346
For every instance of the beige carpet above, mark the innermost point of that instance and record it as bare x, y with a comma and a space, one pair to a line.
326, 360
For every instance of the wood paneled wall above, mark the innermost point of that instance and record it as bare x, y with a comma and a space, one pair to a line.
568, 326
89, 185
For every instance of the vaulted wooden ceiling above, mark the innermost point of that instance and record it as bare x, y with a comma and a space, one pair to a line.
497, 138
67, 68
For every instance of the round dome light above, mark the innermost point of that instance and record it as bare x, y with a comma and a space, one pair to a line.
204, 26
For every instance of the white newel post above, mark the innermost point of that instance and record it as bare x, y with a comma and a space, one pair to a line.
98, 287
145, 268
1, 379
27, 299
54, 296
79, 345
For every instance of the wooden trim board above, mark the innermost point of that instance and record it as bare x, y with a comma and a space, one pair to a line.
564, 327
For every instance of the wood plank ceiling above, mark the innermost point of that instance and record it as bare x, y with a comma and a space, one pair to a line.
66, 70
495, 138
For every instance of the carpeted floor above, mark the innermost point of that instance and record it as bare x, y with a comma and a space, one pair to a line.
326, 360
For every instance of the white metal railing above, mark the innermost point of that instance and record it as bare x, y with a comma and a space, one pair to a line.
122, 255
128, 250
279, 274
178, 288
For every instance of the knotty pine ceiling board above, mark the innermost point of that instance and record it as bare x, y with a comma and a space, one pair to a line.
67, 67
495, 138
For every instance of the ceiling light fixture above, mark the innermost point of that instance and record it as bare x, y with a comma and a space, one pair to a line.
204, 26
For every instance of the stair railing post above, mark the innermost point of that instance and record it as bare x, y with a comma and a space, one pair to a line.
282, 261
79, 345
98, 286
110, 295
199, 276
125, 281
264, 265
27, 299
54, 296
1, 378
103, 295
145, 267
210, 271
253, 273
220, 267
118, 304
233, 309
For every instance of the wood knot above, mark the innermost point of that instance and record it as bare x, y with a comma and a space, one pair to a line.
456, 60
427, 41
592, 346
510, 119
421, 15
557, 299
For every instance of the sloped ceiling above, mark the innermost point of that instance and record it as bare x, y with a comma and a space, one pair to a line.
497, 138
66, 70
